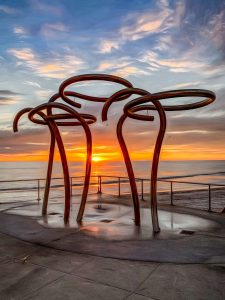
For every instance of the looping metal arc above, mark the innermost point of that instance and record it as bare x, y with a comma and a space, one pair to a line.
52, 122
47, 114
137, 105
158, 107
90, 77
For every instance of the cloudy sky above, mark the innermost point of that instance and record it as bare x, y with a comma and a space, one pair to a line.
156, 45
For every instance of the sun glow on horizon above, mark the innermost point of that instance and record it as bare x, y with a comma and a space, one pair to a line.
97, 158
63, 39
167, 153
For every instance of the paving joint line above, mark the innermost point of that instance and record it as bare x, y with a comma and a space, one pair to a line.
40, 288
75, 275
151, 272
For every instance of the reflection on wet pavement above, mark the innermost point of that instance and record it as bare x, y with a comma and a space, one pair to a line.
110, 221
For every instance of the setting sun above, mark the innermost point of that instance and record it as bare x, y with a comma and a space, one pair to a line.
97, 158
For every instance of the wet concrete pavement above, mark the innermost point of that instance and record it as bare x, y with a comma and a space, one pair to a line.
42, 260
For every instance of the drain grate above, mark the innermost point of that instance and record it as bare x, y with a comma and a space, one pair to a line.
100, 207
187, 232
106, 221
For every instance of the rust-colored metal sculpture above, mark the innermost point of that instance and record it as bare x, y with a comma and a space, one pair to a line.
92, 119
131, 109
65, 96
90, 77
53, 121
125, 152
43, 115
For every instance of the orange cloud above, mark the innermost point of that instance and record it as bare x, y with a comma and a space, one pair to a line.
58, 66
169, 152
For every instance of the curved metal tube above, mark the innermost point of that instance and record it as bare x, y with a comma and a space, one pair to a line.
64, 95
121, 95
155, 165
131, 110
83, 123
133, 186
208, 95
87, 173
18, 116
85, 77
130, 170
51, 153
66, 176
156, 154
50, 164
49, 171
135, 105
67, 93
53, 132
55, 136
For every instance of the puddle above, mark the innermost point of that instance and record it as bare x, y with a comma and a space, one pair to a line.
116, 222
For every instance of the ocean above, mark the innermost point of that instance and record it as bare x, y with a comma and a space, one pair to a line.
201, 173
210, 171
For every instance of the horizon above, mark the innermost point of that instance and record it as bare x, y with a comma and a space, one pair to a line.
202, 172
156, 45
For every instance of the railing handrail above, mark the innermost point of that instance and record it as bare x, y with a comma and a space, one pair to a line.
118, 180
117, 177
162, 180
35, 179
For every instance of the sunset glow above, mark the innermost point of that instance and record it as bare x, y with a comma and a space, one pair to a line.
156, 45
97, 158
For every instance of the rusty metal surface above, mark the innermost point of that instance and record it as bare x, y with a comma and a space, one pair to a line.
208, 95
114, 98
44, 115
65, 95
125, 152
130, 110
36, 115
90, 77
53, 120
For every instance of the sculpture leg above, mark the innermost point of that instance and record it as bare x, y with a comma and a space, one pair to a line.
49, 173
87, 174
65, 170
130, 171
155, 163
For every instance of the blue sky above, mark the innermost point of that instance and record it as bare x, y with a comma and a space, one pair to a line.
157, 45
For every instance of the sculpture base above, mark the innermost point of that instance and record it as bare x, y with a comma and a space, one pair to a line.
187, 236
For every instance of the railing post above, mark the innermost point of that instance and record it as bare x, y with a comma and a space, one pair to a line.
71, 186
142, 190
210, 207
99, 184
119, 186
171, 193
38, 198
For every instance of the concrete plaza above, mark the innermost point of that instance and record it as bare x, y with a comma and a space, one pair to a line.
44, 260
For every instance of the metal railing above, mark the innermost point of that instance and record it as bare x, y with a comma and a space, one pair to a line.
119, 180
